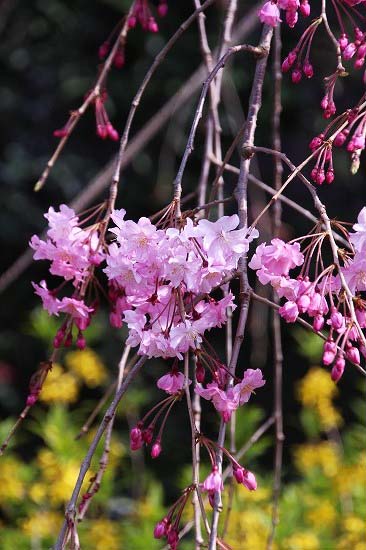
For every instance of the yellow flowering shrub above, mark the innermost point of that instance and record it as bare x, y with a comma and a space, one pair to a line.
88, 366
60, 386
323, 455
317, 391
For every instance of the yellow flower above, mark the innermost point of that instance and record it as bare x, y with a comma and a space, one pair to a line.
42, 524
59, 387
60, 476
87, 365
316, 391
322, 455
323, 515
38, 492
355, 525
103, 535
351, 477
11, 485
301, 541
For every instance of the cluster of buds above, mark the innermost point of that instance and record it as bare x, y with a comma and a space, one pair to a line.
141, 13
351, 133
323, 299
323, 170
143, 433
104, 126
270, 12
168, 527
119, 56
298, 60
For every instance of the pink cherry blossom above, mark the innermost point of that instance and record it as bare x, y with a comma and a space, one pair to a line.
269, 14
172, 383
213, 482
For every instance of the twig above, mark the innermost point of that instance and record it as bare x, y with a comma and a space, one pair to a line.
95, 485
76, 115
277, 338
190, 144
71, 506
241, 197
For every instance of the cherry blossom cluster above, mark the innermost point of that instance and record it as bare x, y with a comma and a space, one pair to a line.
270, 12
160, 280
351, 134
73, 252
321, 297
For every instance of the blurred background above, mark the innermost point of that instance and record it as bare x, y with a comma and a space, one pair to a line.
48, 61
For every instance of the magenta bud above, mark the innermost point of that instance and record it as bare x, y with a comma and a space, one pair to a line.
119, 60
343, 41
152, 25
296, 76
81, 342
305, 8
249, 481
156, 449
308, 70
318, 322
338, 369
115, 319
135, 434
353, 355
147, 436
103, 50
161, 529
132, 22
31, 399
200, 373
340, 139
238, 473
162, 9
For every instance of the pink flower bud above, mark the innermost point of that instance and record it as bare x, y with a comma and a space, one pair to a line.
296, 76
147, 435
343, 42
308, 69
31, 400
161, 528
238, 473
291, 18
81, 342
132, 22
103, 50
303, 303
340, 139
156, 449
289, 61
162, 9
289, 312
115, 320
353, 355
269, 14
119, 60
249, 481
329, 176
200, 373
349, 51
305, 8
336, 319
359, 62
152, 25
338, 368
316, 142
318, 322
